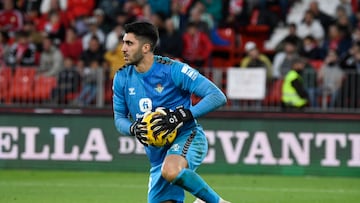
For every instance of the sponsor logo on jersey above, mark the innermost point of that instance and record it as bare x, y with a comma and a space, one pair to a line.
159, 88
145, 104
192, 73
131, 91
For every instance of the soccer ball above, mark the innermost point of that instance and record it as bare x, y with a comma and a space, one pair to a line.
157, 140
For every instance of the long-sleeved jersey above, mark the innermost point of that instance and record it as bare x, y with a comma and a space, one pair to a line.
168, 83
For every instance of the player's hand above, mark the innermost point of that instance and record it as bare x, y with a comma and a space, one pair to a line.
138, 129
170, 120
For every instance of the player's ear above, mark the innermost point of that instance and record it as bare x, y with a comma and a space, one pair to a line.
146, 48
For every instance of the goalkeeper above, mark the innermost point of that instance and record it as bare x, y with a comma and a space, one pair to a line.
147, 82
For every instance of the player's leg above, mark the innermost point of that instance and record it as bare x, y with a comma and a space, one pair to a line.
185, 155
161, 190
175, 172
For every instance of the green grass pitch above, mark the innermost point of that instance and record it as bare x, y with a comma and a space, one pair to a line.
23, 186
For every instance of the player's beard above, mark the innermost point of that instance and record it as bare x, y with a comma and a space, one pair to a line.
136, 59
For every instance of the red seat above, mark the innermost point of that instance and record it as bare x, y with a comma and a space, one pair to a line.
256, 33
42, 88
273, 97
316, 64
5, 78
108, 92
21, 88
230, 50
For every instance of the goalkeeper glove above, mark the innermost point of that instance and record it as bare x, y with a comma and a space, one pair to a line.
169, 120
138, 129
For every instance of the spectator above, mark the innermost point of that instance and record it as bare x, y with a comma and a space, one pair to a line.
205, 23
343, 22
310, 49
58, 6
346, 5
22, 52
350, 63
102, 22
311, 26
110, 8
355, 19
54, 28
162, 6
80, 25
95, 52
291, 36
330, 77
51, 59
131, 9
158, 19
171, 42
255, 59
199, 15
197, 46
32, 15
236, 14
355, 37
28, 6
114, 37
53, 5
11, 20
348, 60
213, 8
264, 17
178, 14
94, 30
337, 40
76, 8
68, 82
4, 48
201, 20
89, 84
283, 4
324, 18
35, 36
145, 14
284, 59
293, 93
72, 46
123, 18
114, 56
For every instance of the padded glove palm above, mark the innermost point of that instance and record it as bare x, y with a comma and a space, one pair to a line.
170, 120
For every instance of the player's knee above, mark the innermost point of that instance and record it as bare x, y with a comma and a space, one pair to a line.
170, 172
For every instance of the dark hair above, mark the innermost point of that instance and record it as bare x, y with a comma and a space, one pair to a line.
191, 24
297, 60
143, 31
293, 25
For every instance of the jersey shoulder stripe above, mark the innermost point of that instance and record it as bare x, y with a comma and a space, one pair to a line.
123, 67
163, 60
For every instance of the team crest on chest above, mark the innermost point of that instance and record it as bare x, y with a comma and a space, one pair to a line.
159, 88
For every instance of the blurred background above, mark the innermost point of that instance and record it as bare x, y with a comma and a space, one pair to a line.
64, 53
290, 70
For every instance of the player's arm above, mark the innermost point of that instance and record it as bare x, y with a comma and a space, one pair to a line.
121, 112
191, 80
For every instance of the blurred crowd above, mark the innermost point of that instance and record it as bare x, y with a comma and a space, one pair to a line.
71, 39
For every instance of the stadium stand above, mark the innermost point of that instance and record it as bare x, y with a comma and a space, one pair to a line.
5, 78
22, 86
43, 86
